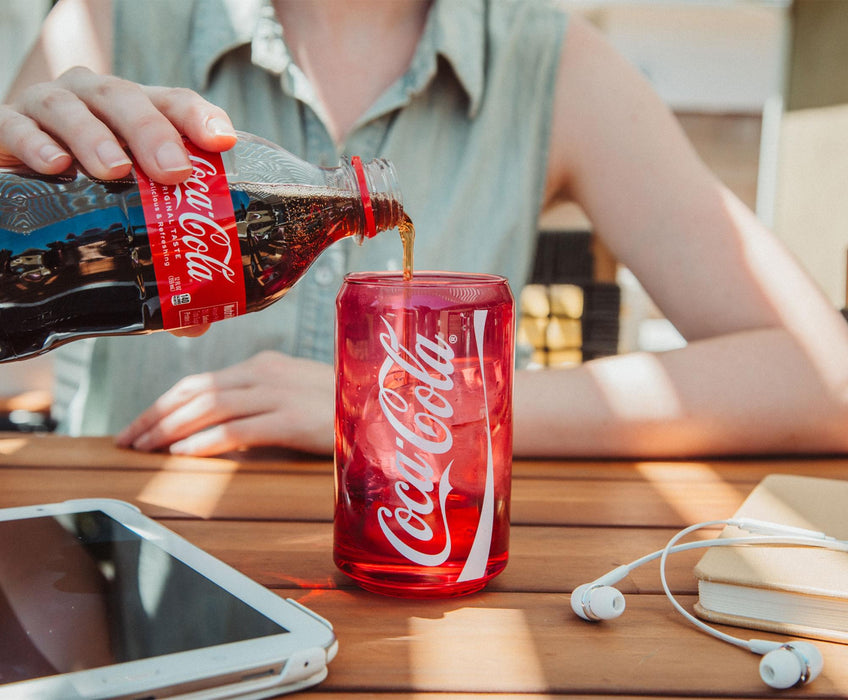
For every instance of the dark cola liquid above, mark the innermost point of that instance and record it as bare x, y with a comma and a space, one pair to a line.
75, 259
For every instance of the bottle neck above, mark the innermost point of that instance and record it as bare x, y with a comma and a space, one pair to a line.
379, 193
374, 183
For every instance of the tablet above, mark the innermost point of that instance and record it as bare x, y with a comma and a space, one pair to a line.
99, 601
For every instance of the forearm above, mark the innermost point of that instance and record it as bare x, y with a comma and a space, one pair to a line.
57, 49
756, 391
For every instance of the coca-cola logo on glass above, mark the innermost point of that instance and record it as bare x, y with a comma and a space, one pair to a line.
421, 419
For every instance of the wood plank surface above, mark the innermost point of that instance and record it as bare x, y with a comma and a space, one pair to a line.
54, 451
527, 642
542, 559
309, 496
268, 513
320, 695
492, 696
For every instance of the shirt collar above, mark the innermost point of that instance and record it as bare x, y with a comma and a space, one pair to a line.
455, 31
218, 27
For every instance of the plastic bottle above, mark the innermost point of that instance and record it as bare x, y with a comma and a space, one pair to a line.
81, 257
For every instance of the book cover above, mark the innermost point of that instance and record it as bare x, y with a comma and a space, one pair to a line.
782, 588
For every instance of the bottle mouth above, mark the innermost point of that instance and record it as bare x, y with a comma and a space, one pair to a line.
367, 208
381, 177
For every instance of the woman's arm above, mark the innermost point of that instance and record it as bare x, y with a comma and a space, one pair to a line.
74, 33
766, 367
746, 392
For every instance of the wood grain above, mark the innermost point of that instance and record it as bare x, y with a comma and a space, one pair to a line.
269, 514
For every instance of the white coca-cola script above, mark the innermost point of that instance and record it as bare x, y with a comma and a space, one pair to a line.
424, 440
194, 243
207, 244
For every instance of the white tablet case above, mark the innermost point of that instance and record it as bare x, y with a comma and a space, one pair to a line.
242, 670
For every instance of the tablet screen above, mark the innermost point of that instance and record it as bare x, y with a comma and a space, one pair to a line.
81, 591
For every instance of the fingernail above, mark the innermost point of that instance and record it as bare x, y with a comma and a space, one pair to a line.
50, 152
220, 127
111, 155
179, 448
171, 158
142, 443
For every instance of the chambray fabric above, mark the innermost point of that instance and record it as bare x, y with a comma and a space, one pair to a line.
467, 128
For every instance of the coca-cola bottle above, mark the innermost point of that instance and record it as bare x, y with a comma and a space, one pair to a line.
81, 257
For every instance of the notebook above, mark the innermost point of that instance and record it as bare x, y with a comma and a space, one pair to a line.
786, 589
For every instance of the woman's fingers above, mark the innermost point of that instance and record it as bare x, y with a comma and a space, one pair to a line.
117, 109
101, 120
203, 123
190, 331
23, 141
235, 434
60, 112
145, 432
209, 408
269, 399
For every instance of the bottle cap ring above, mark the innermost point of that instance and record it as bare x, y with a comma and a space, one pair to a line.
370, 223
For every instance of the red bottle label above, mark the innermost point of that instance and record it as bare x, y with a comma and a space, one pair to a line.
194, 244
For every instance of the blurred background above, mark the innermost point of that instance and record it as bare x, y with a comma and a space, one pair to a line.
758, 86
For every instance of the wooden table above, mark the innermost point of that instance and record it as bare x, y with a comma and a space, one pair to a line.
269, 515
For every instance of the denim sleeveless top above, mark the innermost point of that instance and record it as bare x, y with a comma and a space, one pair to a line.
467, 128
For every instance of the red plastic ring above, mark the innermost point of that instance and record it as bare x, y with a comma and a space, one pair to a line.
370, 222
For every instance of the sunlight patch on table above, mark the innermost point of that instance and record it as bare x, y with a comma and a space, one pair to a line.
693, 504
451, 641
187, 493
8, 446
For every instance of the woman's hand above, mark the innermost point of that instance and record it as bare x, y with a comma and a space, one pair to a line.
99, 120
270, 399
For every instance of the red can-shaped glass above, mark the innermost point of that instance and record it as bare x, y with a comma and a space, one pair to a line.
423, 452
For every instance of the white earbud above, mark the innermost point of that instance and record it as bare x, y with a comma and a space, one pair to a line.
783, 665
598, 600
595, 602
791, 664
